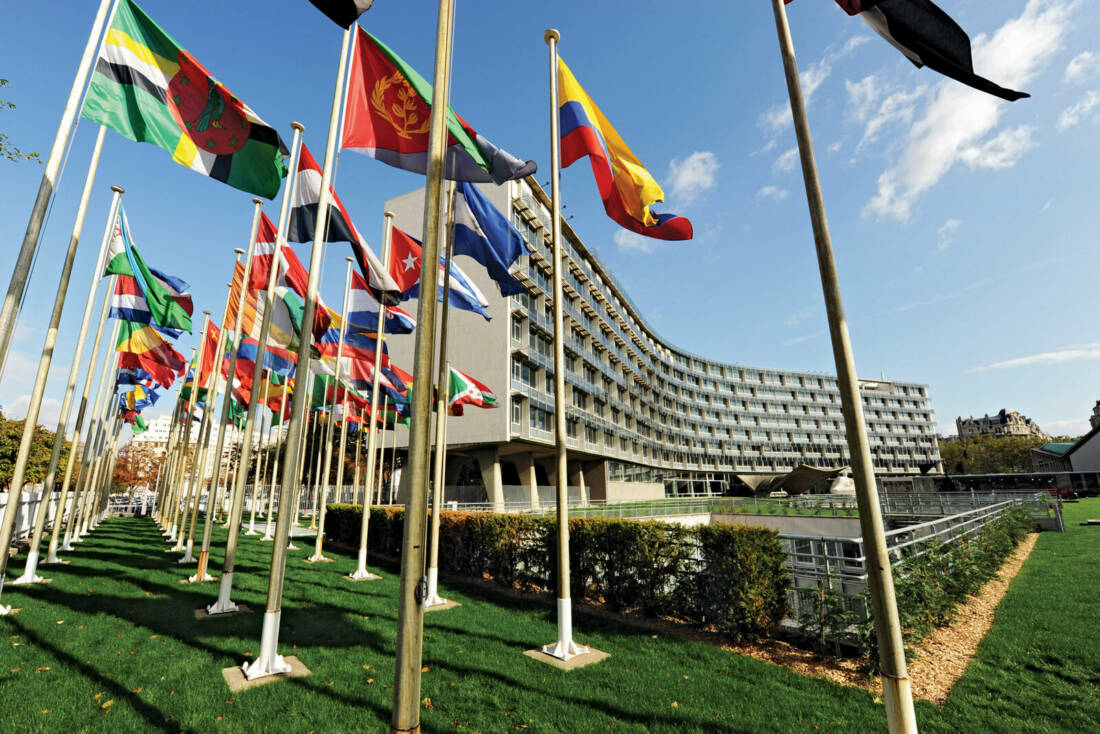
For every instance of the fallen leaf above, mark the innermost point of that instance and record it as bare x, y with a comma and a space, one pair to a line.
428, 704
61, 621
16, 670
426, 669
42, 669
45, 711
137, 690
219, 717
106, 705
675, 705
366, 667
370, 680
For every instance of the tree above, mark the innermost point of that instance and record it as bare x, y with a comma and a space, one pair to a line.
38, 461
990, 454
7, 150
138, 464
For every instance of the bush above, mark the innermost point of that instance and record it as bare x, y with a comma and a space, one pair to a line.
727, 577
930, 587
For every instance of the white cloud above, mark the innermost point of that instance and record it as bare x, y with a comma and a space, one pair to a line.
946, 233
835, 147
1066, 427
772, 192
628, 241
1002, 151
875, 104
1075, 113
48, 413
1049, 204
799, 316
693, 175
1083, 66
958, 119
1075, 353
778, 116
786, 161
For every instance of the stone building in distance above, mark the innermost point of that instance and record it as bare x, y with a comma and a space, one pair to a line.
1004, 423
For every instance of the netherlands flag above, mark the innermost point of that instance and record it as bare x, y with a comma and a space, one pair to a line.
363, 311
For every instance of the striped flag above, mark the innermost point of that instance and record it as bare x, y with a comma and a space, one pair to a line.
363, 311
343, 12
141, 346
149, 295
149, 89
303, 222
405, 269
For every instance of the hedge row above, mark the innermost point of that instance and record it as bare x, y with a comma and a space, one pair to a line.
731, 578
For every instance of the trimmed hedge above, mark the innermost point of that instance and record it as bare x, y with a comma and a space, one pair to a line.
728, 577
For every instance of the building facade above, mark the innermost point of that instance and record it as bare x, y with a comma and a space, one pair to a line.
1003, 423
641, 412
1094, 419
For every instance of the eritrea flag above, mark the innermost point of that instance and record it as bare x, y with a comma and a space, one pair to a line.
388, 115
148, 88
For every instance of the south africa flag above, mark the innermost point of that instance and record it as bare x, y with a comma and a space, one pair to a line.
146, 87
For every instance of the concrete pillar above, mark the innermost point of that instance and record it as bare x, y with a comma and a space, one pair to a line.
489, 463
525, 464
595, 479
576, 478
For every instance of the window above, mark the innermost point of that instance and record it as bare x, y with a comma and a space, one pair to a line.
517, 329
540, 418
517, 412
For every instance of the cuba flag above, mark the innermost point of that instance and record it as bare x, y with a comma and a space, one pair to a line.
628, 190
483, 233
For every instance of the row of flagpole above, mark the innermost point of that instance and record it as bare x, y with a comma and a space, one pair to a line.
182, 506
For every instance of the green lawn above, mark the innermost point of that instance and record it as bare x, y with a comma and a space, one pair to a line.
113, 642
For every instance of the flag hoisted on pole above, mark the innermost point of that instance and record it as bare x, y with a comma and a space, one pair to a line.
897, 693
565, 648
410, 603
25, 260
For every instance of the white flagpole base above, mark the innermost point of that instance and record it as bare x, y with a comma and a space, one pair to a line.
433, 599
223, 605
269, 661
317, 558
565, 648
187, 557
252, 528
30, 575
361, 572
4, 610
197, 580
67, 545
291, 546
51, 558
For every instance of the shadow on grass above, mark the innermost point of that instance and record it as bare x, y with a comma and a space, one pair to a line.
154, 716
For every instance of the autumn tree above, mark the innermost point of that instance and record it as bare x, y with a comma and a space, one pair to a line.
990, 454
138, 464
38, 461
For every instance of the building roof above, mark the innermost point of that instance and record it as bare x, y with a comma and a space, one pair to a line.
1058, 448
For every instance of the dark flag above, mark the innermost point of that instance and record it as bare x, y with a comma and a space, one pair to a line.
928, 37
343, 12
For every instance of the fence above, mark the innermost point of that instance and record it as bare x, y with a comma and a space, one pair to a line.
841, 563
28, 504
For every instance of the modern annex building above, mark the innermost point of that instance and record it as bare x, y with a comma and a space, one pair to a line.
644, 417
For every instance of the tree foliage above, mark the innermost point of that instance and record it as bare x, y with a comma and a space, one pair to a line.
38, 462
990, 454
138, 464
7, 150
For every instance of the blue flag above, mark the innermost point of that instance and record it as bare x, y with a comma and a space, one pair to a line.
486, 235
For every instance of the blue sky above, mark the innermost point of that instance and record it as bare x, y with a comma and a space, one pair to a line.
960, 222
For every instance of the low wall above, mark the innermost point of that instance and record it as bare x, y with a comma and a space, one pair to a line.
834, 527
634, 491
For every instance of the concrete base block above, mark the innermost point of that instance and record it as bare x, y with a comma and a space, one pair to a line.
201, 613
193, 580
20, 582
368, 577
447, 604
322, 559
234, 677
577, 661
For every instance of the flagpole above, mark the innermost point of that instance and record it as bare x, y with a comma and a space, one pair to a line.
30, 423
442, 399
174, 455
410, 610
897, 693
163, 488
190, 498
317, 554
361, 573
25, 261
269, 662
358, 452
29, 575
178, 511
258, 476
198, 466
565, 648
211, 401
224, 605
343, 451
393, 448
275, 461
110, 364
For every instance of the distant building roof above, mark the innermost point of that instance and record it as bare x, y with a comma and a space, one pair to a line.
1059, 448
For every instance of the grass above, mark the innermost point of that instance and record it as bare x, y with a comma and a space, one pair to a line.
113, 642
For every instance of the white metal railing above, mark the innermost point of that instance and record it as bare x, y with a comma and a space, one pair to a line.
28, 505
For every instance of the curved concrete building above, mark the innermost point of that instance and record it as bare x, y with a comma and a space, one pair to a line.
644, 417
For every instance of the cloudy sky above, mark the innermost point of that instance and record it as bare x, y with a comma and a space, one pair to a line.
962, 224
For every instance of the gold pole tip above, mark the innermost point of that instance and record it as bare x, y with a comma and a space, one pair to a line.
205, 313
238, 250
257, 201
350, 259
388, 214
297, 126
551, 35
118, 189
